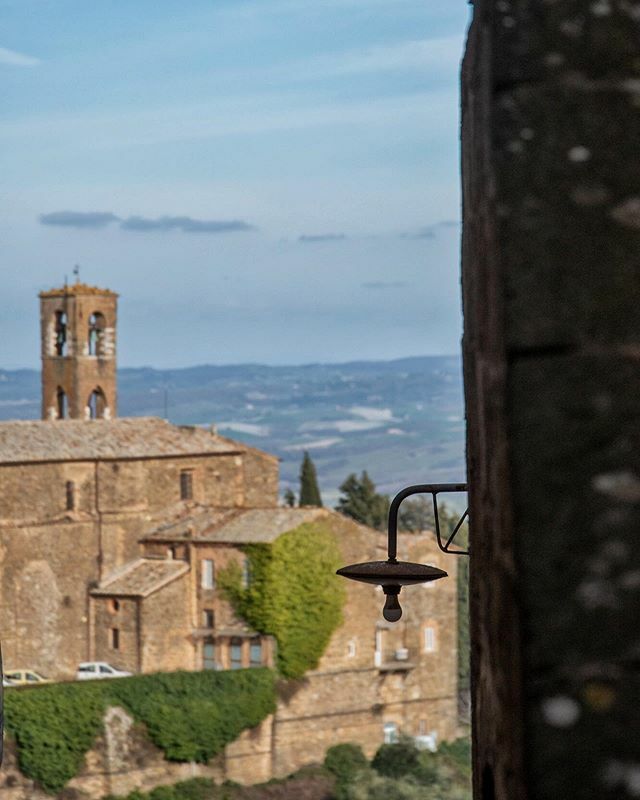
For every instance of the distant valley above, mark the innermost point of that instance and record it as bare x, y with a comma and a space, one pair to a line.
402, 420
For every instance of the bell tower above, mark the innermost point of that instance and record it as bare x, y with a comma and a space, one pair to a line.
78, 342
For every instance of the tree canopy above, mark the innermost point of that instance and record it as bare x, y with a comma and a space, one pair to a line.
361, 501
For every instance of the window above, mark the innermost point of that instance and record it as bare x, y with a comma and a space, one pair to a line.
96, 334
61, 403
390, 733
97, 404
246, 573
430, 644
61, 333
209, 655
186, 484
351, 648
208, 618
255, 653
114, 606
235, 654
208, 574
71, 495
115, 639
104, 668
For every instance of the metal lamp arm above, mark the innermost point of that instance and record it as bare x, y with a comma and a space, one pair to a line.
434, 489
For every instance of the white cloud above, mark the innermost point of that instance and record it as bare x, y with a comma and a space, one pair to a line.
13, 59
372, 414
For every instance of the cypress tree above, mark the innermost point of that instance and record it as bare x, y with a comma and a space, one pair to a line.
309, 491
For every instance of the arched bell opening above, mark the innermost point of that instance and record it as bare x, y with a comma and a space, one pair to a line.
97, 404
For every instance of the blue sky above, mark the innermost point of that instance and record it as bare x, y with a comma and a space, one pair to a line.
261, 180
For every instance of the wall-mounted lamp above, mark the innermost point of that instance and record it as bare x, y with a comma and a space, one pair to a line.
392, 574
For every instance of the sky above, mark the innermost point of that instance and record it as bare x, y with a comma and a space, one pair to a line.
270, 181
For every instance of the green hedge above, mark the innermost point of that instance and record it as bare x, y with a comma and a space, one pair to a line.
191, 716
293, 595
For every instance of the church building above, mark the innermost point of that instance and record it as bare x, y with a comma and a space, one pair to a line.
113, 531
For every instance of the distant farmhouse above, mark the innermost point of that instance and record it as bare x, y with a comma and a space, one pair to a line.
113, 533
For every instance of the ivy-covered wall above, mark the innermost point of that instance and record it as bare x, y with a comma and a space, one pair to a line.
293, 594
191, 716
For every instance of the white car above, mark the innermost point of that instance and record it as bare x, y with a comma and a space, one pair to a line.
90, 670
7, 682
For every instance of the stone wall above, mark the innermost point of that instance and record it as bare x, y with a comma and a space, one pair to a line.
551, 284
51, 556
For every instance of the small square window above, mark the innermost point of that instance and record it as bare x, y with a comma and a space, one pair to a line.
186, 484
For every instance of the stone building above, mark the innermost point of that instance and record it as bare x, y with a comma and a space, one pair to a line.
112, 533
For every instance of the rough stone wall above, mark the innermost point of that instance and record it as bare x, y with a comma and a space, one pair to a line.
125, 618
166, 630
44, 618
261, 478
49, 556
551, 285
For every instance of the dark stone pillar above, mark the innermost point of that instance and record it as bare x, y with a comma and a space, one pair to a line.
551, 285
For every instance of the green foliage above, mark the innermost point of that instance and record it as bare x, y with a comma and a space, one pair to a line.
361, 502
193, 789
309, 491
53, 727
395, 760
191, 716
416, 515
293, 595
401, 772
289, 498
345, 761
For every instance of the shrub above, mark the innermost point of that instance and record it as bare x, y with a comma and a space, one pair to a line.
191, 716
294, 594
345, 761
395, 760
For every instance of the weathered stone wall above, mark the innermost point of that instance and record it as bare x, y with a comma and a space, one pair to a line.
44, 618
166, 627
50, 556
551, 284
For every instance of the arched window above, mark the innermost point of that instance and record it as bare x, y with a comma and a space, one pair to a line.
61, 333
96, 334
97, 404
62, 406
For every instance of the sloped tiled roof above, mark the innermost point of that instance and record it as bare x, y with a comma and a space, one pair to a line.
141, 578
126, 437
237, 526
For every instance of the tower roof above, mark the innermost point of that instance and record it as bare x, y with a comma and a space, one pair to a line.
75, 289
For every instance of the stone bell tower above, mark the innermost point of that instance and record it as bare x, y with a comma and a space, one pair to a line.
78, 333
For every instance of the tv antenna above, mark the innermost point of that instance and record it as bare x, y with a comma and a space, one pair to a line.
76, 272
